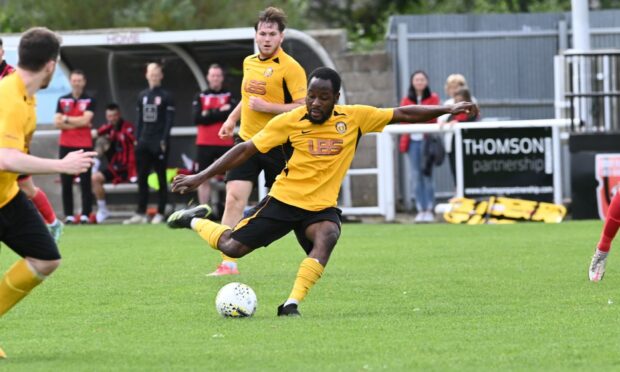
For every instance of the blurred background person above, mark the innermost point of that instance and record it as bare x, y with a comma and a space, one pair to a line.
211, 108
74, 117
155, 120
413, 145
118, 154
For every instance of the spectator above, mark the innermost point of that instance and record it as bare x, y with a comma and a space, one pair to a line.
155, 119
74, 116
119, 154
211, 108
413, 144
454, 83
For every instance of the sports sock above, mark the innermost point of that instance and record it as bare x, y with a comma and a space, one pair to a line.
44, 206
612, 223
310, 270
17, 282
229, 261
101, 204
209, 230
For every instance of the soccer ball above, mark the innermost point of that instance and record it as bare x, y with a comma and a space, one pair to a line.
236, 300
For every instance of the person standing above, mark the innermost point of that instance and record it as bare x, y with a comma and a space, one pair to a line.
25, 182
211, 108
21, 227
413, 145
155, 119
273, 83
120, 157
74, 117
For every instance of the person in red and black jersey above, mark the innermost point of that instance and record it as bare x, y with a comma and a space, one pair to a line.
120, 156
155, 119
5, 68
25, 182
74, 116
211, 108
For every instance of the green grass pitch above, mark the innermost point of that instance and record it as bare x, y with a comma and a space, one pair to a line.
393, 297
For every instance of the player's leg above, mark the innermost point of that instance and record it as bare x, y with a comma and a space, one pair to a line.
318, 240
610, 229
98, 180
23, 231
143, 166
43, 205
86, 190
66, 183
159, 164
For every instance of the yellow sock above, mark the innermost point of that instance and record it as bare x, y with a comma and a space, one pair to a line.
228, 259
210, 231
17, 282
309, 272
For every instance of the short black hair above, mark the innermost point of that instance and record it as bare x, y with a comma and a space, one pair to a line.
77, 71
37, 47
113, 106
326, 73
272, 15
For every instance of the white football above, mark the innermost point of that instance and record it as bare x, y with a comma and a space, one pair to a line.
236, 300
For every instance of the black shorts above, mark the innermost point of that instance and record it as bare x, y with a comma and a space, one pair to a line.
206, 155
271, 219
272, 162
121, 176
22, 229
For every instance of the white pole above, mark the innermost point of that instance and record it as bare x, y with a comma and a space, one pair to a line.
581, 25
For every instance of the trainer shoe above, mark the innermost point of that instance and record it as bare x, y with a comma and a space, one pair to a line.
55, 229
157, 219
102, 215
288, 310
183, 218
597, 267
69, 220
136, 219
223, 270
84, 220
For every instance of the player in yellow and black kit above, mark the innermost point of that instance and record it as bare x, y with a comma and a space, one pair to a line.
21, 227
324, 137
273, 83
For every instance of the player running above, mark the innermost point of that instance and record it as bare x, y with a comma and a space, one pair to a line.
324, 137
273, 83
610, 229
21, 226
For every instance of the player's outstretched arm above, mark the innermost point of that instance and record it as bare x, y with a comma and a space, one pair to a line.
231, 159
422, 114
76, 162
259, 104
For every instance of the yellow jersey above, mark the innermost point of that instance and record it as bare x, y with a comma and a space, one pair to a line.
17, 124
279, 79
322, 153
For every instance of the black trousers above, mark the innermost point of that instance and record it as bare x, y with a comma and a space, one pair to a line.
150, 157
66, 181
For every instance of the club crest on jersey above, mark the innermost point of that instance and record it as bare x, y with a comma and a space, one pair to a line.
268, 72
341, 127
83, 105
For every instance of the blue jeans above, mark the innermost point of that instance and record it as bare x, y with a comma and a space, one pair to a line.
423, 186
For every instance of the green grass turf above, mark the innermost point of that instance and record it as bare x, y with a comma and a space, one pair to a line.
393, 297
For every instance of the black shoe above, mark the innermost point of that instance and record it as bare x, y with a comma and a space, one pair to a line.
183, 217
288, 310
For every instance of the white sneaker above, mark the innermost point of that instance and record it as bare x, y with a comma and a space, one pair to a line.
136, 219
102, 214
158, 218
419, 217
597, 267
428, 216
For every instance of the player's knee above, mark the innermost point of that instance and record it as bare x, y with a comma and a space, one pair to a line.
44, 267
330, 235
28, 189
233, 248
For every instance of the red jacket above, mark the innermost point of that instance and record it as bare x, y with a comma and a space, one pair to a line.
121, 155
406, 138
